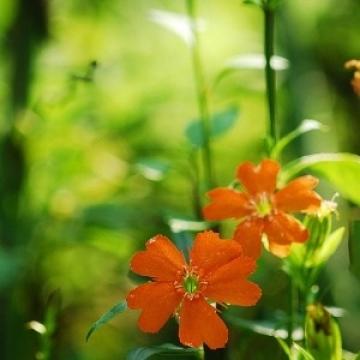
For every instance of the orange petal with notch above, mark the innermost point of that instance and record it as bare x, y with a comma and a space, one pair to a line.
228, 284
157, 300
298, 195
209, 252
283, 229
199, 324
248, 235
225, 204
259, 179
161, 260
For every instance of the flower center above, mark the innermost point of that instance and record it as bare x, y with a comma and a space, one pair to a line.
191, 284
263, 206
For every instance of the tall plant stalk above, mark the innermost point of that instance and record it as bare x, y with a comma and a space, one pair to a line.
202, 98
269, 30
204, 112
270, 77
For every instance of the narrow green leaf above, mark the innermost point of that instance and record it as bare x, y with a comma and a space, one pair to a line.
179, 24
168, 350
354, 248
306, 126
328, 248
152, 169
284, 346
253, 2
221, 122
341, 169
303, 352
117, 309
264, 327
256, 62
250, 62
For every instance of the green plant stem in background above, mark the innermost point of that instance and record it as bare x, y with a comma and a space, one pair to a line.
269, 25
202, 98
292, 312
204, 112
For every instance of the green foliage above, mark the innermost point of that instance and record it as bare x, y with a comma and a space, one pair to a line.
295, 352
306, 126
272, 4
180, 25
167, 351
328, 248
271, 327
250, 62
354, 248
306, 260
341, 169
322, 334
221, 122
153, 169
105, 318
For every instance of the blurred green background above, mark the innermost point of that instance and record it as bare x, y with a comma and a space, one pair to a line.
95, 98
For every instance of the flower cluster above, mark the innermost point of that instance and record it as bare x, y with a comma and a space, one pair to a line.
217, 270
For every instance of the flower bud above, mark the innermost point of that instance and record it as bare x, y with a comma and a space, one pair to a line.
322, 334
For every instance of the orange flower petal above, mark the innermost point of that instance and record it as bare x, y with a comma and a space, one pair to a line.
279, 250
298, 195
248, 235
200, 324
157, 300
283, 229
226, 203
259, 179
209, 252
161, 260
228, 284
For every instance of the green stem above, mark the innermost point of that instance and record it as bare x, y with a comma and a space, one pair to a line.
292, 309
269, 27
203, 105
201, 91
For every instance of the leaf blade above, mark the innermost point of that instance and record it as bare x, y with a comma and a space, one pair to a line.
220, 123
341, 169
106, 317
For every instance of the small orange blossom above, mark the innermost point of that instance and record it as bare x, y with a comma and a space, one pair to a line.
263, 210
217, 271
355, 82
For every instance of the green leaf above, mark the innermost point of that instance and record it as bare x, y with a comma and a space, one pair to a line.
179, 24
152, 169
300, 350
166, 350
284, 346
220, 123
250, 62
253, 2
354, 248
256, 62
264, 327
328, 248
115, 310
341, 169
306, 126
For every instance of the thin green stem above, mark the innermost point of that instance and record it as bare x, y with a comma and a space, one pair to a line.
269, 30
202, 98
292, 311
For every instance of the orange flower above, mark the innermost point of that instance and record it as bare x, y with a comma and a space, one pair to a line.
263, 210
217, 271
355, 82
